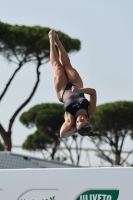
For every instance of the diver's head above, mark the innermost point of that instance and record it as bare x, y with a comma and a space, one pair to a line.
81, 121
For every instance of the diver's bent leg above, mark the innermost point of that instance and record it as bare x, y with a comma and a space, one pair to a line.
54, 59
60, 78
62, 52
72, 74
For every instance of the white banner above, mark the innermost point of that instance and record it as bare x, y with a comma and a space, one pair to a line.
67, 184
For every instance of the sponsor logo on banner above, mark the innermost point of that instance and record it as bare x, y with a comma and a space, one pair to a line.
38, 194
51, 198
99, 195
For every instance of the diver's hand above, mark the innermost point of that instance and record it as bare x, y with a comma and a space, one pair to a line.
74, 129
76, 89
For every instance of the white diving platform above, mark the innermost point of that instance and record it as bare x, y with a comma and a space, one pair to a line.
67, 184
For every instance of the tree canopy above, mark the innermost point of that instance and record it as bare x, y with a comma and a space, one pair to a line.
115, 123
30, 42
45, 115
48, 118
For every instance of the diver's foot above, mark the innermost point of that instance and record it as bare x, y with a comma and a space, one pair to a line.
51, 35
56, 39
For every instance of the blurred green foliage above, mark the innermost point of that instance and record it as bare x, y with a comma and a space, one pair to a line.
114, 117
47, 118
31, 41
115, 121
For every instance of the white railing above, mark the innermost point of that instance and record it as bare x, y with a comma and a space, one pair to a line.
88, 156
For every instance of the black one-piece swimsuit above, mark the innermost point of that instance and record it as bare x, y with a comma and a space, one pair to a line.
74, 101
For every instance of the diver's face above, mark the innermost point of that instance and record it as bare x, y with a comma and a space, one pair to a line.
81, 121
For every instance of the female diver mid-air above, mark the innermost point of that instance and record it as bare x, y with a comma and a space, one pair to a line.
69, 89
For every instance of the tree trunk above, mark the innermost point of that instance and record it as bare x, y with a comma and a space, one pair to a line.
8, 143
54, 149
6, 136
117, 159
10, 80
